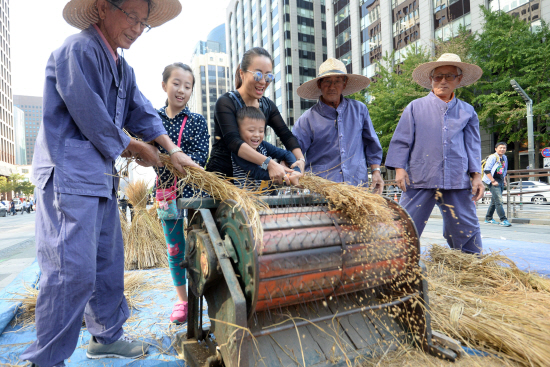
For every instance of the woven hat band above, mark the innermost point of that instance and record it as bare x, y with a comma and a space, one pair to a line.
331, 71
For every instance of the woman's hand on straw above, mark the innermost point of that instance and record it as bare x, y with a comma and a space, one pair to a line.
300, 164
180, 160
402, 179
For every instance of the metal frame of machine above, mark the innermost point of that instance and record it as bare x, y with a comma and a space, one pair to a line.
255, 326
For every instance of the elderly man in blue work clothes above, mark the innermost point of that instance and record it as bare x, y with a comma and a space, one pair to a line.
436, 153
336, 135
90, 96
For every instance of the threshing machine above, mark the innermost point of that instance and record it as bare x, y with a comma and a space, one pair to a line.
317, 292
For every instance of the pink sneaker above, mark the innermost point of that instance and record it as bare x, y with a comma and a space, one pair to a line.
179, 313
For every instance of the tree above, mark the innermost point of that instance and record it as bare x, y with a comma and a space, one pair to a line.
507, 48
19, 184
5, 186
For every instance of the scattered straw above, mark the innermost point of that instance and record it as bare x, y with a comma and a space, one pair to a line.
487, 303
144, 240
135, 284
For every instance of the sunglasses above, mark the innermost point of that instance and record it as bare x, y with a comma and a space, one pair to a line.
258, 76
448, 77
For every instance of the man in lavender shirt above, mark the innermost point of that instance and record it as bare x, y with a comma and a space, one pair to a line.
336, 135
90, 95
436, 153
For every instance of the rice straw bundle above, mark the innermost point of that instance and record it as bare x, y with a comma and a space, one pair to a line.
221, 189
487, 303
145, 244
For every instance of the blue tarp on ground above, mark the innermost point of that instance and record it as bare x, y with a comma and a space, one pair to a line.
151, 321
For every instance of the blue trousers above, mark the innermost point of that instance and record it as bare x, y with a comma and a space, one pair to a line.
460, 222
496, 202
81, 256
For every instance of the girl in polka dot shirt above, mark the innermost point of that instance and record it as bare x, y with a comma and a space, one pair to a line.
178, 82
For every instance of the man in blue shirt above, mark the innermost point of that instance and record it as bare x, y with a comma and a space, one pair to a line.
90, 95
494, 172
336, 135
436, 153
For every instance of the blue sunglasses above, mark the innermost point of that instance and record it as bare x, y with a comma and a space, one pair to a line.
258, 76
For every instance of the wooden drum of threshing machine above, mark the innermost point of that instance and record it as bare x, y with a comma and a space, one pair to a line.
318, 291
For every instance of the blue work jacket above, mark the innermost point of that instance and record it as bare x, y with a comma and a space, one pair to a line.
88, 100
437, 143
338, 144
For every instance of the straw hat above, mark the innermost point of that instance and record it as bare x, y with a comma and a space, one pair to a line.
471, 73
82, 13
310, 90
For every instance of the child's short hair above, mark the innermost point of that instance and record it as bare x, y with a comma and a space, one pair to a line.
250, 112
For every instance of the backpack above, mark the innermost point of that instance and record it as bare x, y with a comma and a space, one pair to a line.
483, 162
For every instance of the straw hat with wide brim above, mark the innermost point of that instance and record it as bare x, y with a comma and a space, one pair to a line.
471, 73
333, 67
82, 13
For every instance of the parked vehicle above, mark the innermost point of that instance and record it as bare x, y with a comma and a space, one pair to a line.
3, 209
534, 192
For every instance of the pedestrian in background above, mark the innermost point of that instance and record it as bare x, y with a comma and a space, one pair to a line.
90, 96
494, 176
336, 135
436, 153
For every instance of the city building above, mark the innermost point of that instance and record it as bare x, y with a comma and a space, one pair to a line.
212, 78
32, 107
20, 145
361, 32
215, 42
295, 34
7, 131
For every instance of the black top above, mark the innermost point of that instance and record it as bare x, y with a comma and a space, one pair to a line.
226, 131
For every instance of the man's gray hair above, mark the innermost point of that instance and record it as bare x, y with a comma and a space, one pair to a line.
458, 70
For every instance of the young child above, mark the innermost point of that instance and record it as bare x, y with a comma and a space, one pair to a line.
178, 82
252, 123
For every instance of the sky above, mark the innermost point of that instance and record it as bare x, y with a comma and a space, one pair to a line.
38, 28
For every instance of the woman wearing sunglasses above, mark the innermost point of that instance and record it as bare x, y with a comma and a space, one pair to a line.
252, 77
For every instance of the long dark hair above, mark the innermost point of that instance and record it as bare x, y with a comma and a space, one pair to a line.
247, 59
168, 72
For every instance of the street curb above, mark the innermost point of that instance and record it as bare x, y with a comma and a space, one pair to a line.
544, 222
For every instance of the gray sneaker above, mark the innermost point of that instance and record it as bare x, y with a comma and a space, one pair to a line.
122, 348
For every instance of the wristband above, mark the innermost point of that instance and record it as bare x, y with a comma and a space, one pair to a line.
301, 159
175, 150
266, 162
375, 169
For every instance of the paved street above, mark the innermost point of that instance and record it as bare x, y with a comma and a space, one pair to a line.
17, 250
